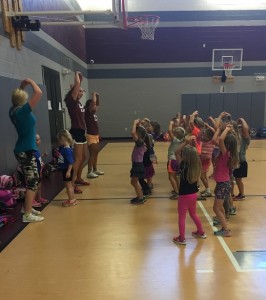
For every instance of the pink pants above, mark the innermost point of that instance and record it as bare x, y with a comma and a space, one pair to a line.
188, 203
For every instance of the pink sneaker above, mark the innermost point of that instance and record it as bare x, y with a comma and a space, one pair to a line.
36, 204
43, 201
178, 241
196, 234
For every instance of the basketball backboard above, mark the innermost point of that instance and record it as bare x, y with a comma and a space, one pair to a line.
220, 57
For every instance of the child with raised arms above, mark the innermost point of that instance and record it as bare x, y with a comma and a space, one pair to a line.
176, 135
190, 170
225, 161
137, 171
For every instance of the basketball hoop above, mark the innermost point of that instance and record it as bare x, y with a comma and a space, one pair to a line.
147, 25
228, 69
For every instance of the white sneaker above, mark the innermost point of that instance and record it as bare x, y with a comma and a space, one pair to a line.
33, 211
98, 173
92, 175
31, 218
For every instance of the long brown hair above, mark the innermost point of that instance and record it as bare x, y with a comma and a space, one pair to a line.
192, 162
231, 144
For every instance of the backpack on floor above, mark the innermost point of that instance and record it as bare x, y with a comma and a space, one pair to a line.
7, 199
6, 182
5, 219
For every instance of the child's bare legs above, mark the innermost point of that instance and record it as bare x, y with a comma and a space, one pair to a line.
70, 191
240, 186
149, 181
204, 180
220, 213
174, 182
137, 187
38, 193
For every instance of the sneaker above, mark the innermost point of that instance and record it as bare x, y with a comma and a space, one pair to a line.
36, 204
222, 232
178, 241
216, 222
99, 173
82, 182
77, 190
43, 201
92, 175
33, 211
239, 197
233, 211
31, 218
137, 200
69, 203
206, 194
174, 196
196, 234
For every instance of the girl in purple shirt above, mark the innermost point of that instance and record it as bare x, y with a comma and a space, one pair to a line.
137, 172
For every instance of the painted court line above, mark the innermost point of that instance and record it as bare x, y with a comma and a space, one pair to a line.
205, 271
221, 240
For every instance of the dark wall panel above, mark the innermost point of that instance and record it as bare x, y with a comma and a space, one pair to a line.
250, 106
203, 105
257, 110
216, 104
230, 104
7, 130
244, 106
189, 103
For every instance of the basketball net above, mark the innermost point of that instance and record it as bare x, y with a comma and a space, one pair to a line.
228, 69
147, 25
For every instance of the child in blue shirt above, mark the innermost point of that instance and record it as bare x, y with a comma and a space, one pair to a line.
65, 163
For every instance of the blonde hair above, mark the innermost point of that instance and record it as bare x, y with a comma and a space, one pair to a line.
65, 134
179, 132
19, 97
192, 162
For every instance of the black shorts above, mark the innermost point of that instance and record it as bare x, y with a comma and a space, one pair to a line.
78, 136
29, 167
65, 179
242, 171
137, 170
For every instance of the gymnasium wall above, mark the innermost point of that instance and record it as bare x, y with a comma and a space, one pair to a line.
40, 49
139, 78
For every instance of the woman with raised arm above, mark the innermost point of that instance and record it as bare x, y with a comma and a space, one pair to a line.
78, 129
24, 121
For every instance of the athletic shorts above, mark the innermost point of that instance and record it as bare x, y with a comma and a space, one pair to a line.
173, 166
242, 171
149, 171
92, 139
137, 170
65, 179
205, 165
29, 167
78, 136
223, 191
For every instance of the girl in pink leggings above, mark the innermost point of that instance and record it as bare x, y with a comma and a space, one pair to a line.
190, 173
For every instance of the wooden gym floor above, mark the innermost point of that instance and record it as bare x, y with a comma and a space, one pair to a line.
107, 249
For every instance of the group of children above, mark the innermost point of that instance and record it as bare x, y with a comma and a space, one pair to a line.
194, 146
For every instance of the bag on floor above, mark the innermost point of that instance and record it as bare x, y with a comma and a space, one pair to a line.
262, 132
5, 219
6, 182
7, 199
